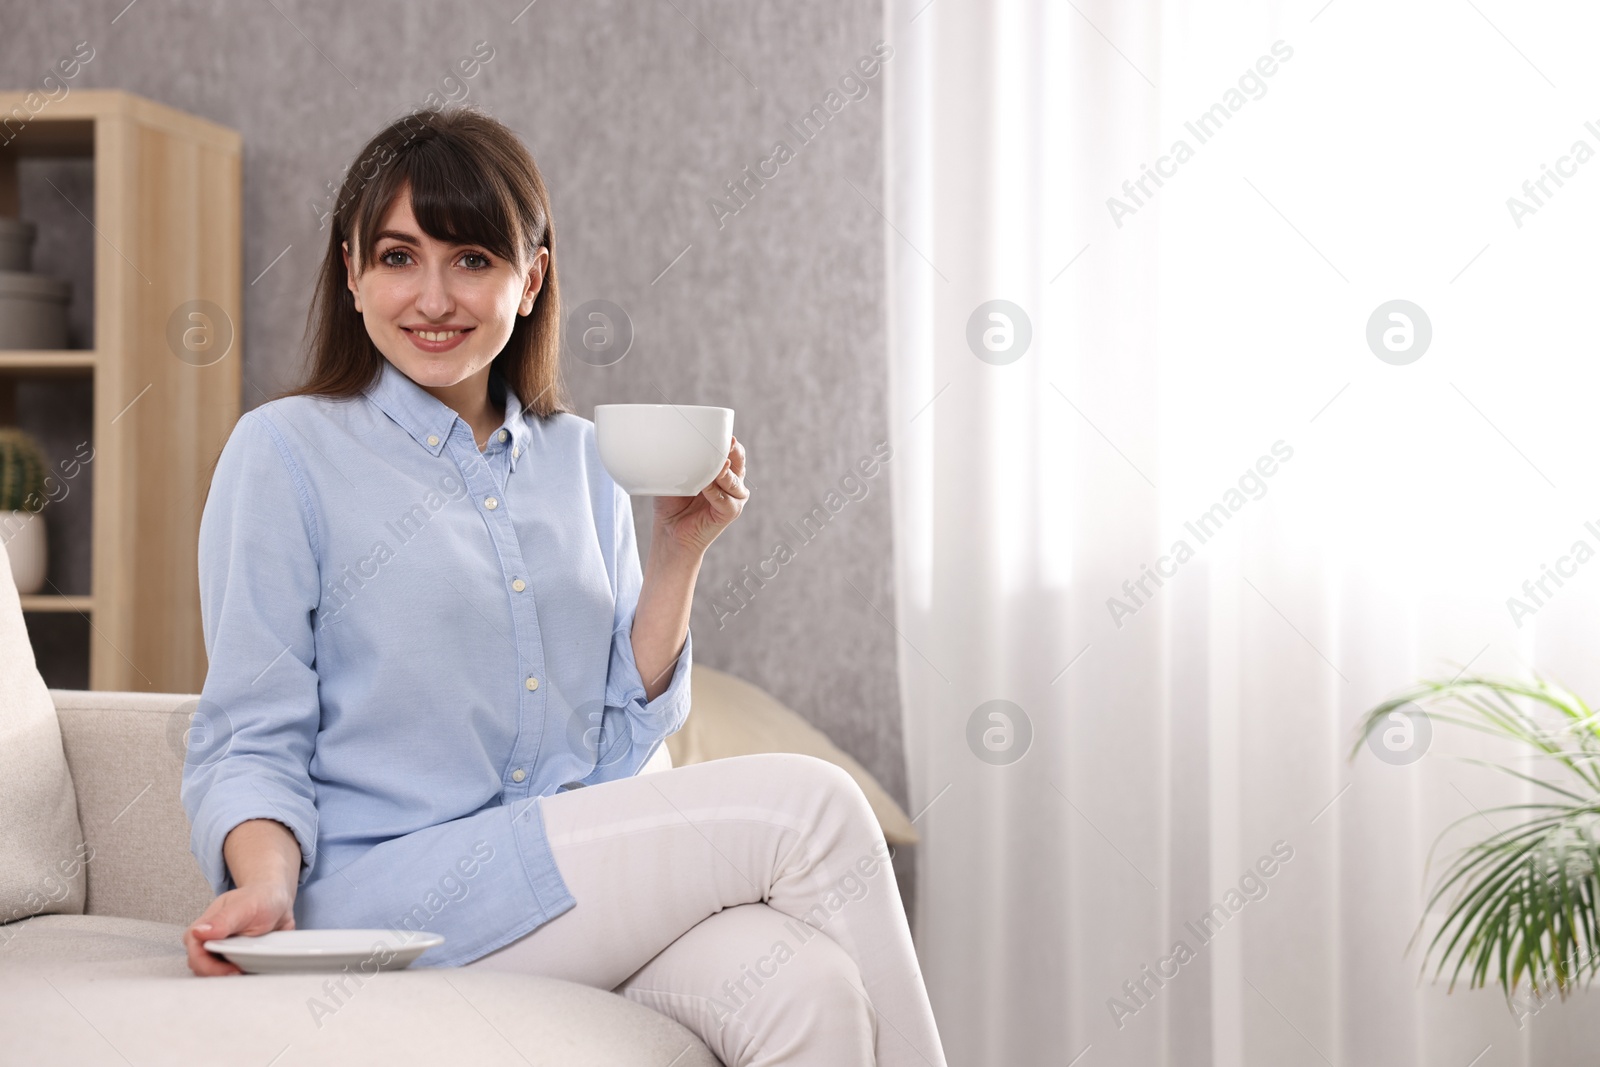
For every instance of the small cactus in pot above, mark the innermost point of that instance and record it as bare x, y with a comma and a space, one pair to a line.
22, 471
22, 497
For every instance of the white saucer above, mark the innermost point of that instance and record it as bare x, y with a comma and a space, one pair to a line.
297, 951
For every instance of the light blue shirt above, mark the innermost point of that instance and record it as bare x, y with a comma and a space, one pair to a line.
410, 642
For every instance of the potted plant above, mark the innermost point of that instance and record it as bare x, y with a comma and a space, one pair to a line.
22, 486
1523, 902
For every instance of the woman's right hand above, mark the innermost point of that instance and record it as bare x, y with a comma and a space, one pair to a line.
248, 911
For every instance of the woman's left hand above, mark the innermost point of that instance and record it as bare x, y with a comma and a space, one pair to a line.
693, 522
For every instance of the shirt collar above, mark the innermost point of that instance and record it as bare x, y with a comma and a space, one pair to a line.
430, 420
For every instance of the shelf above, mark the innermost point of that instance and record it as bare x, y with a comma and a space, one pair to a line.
64, 361
56, 602
163, 189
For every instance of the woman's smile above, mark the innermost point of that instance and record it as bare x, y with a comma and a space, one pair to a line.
442, 339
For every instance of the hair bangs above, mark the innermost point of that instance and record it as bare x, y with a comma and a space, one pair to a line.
451, 199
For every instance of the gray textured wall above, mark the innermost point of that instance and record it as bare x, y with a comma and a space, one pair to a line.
638, 117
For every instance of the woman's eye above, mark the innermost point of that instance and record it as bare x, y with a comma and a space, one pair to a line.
473, 261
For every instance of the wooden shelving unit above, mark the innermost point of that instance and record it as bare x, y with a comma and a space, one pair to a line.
167, 220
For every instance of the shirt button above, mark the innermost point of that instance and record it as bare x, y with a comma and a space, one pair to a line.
504, 434
517, 451
518, 775
490, 502
433, 438
519, 585
533, 683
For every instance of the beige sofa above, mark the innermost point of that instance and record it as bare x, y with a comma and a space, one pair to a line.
112, 986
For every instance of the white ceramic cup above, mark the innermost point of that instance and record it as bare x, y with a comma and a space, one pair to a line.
663, 449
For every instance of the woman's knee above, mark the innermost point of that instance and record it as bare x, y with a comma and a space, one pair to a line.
814, 777
810, 774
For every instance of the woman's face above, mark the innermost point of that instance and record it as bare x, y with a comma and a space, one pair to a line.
440, 312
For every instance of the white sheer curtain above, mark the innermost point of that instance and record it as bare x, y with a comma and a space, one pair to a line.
1207, 345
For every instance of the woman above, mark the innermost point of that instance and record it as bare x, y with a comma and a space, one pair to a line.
436, 667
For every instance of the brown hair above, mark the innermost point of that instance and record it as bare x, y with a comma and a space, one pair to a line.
472, 182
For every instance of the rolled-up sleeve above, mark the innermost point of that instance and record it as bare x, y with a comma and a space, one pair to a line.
252, 737
633, 727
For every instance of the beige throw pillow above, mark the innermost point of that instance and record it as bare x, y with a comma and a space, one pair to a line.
731, 717
41, 845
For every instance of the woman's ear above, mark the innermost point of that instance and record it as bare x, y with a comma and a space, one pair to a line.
534, 281
350, 275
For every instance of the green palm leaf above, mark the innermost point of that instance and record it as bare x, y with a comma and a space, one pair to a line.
1522, 904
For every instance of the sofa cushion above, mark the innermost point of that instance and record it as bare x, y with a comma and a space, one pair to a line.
126, 752
119, 991
42, 851
731, 717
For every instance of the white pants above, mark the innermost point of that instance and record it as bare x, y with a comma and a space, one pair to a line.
751, 899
